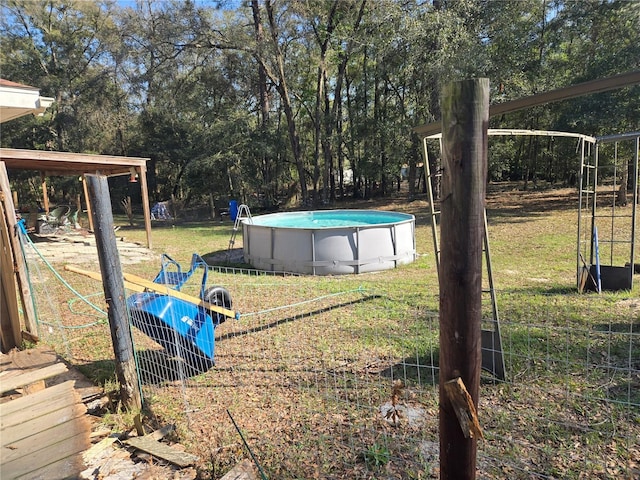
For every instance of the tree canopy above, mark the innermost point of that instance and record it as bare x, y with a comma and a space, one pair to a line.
307, 101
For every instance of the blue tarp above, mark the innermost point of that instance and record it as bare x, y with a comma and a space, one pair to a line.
160, 212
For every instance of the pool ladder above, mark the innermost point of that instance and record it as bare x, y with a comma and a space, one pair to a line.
243, 214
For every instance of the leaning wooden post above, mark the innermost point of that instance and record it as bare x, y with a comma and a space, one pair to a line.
142, 175
465, 115
45, 194
19, 262
87, 201
113, 282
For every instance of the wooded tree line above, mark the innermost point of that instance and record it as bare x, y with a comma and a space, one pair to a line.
308, 101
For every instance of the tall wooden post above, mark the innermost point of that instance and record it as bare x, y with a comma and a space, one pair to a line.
19, 265
465, 116
9, 317
45, 193
114, 293
142, 175
88, 202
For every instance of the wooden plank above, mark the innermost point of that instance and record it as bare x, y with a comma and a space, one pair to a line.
48, 420
32, 376
138, 284
27, 465
96, 276
17, 361
162, 432
29, 359
88, 202
97, 449
19, 156
166, 290
66, 468
31, 401
20, 266
162, 450
6, 338
34, 387
9, 320
19, 417
39, 440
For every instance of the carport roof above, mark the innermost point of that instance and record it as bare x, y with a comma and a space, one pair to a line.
65, 163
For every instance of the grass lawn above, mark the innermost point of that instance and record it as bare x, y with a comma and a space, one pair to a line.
308, 370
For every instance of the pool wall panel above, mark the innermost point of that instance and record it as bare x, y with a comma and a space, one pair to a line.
330, 250
293, 248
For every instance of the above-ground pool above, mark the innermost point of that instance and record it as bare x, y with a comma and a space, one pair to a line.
329, 242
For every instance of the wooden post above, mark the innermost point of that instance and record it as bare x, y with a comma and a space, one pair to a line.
88, 202
465, 116
19, 264
9, 317
142, 175
114, 293
45, 193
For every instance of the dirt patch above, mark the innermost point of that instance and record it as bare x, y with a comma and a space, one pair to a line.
633, 304
79, 247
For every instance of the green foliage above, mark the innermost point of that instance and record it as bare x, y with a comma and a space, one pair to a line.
227, 106
377, 455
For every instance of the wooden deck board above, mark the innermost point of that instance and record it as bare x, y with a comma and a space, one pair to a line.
42, 434
39, 440
46, 421
54, 453
17, 362
31, 376
38, 400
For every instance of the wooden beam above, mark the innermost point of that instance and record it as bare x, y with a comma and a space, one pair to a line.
19, 263
16, 412
114, 292
142, 175
166, 290
43, 433
45, 194
31, 376
573, 91
162, 450
138, 284
465, 116
9, 317
54, 158
88, 202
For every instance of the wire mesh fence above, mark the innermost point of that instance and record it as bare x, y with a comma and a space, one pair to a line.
337, 377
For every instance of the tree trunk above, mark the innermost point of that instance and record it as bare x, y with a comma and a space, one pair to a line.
283, 90
621, 198
263, 99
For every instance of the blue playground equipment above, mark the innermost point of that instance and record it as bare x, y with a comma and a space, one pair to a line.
184, 328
